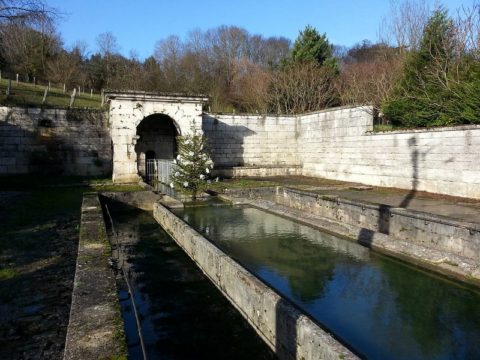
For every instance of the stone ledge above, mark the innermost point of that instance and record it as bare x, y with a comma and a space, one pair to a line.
437, 260
95, 329
290, 333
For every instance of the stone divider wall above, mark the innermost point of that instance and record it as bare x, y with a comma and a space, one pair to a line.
55, 141
434, 231
95, 328
283, 327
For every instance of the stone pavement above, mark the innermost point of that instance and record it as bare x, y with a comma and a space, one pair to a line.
454, 207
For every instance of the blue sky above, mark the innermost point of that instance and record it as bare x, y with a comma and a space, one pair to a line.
138, 24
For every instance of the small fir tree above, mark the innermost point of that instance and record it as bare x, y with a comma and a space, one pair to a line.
193, 164
311, 46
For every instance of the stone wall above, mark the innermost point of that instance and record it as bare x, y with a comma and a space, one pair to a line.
336, 144
339, 144
432, 242
251, 140
54, 141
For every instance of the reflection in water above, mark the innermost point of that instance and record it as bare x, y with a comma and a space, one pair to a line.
383, 309
165, 189
183, 315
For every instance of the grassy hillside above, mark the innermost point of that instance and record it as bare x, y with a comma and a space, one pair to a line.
25, 94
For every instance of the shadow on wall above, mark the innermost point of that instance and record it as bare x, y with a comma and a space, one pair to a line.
414, 154
226, 142
366, 235
42, 146
285, 330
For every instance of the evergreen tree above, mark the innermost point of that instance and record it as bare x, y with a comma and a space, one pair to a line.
193, 164
310, 46
440, 85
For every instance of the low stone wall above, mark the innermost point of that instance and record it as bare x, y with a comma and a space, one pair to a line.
434, 231
95, 329
430, 231
283, 327
140, 199
54, 141
428, 256
257, 171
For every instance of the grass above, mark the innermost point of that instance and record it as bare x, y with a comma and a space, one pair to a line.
26, 94
45, 198
239, 184
35, 182
116, 187
383, 127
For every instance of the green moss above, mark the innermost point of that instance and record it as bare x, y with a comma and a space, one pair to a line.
7, 273
119, 333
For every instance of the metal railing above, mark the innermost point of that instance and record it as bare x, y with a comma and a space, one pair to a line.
159, 170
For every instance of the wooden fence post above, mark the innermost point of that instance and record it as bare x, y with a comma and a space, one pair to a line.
72, 98
45, 96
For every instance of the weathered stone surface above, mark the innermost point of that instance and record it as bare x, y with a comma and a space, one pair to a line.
290, 333
95, 330
128, 109
335, 144
54, 141
140, 199
338, 144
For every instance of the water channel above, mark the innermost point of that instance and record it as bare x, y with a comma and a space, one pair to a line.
379, 307
183, 315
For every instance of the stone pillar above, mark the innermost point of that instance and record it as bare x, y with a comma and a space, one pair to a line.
125, 169
141, 164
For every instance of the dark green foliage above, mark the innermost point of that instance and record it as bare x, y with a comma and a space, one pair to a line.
310, 45
441, 81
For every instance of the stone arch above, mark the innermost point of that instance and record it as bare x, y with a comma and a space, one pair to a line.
127, 109
155, 138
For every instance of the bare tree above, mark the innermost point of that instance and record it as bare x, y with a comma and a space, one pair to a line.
467, 25
63, 69
27, 50
250, 90
403, 27
107, 44
169, 53
301, 88
27, 11
369, 83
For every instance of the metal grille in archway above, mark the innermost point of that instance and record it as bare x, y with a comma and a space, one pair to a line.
159, 170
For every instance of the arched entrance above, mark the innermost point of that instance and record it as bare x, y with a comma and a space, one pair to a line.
156, 140
130, 113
